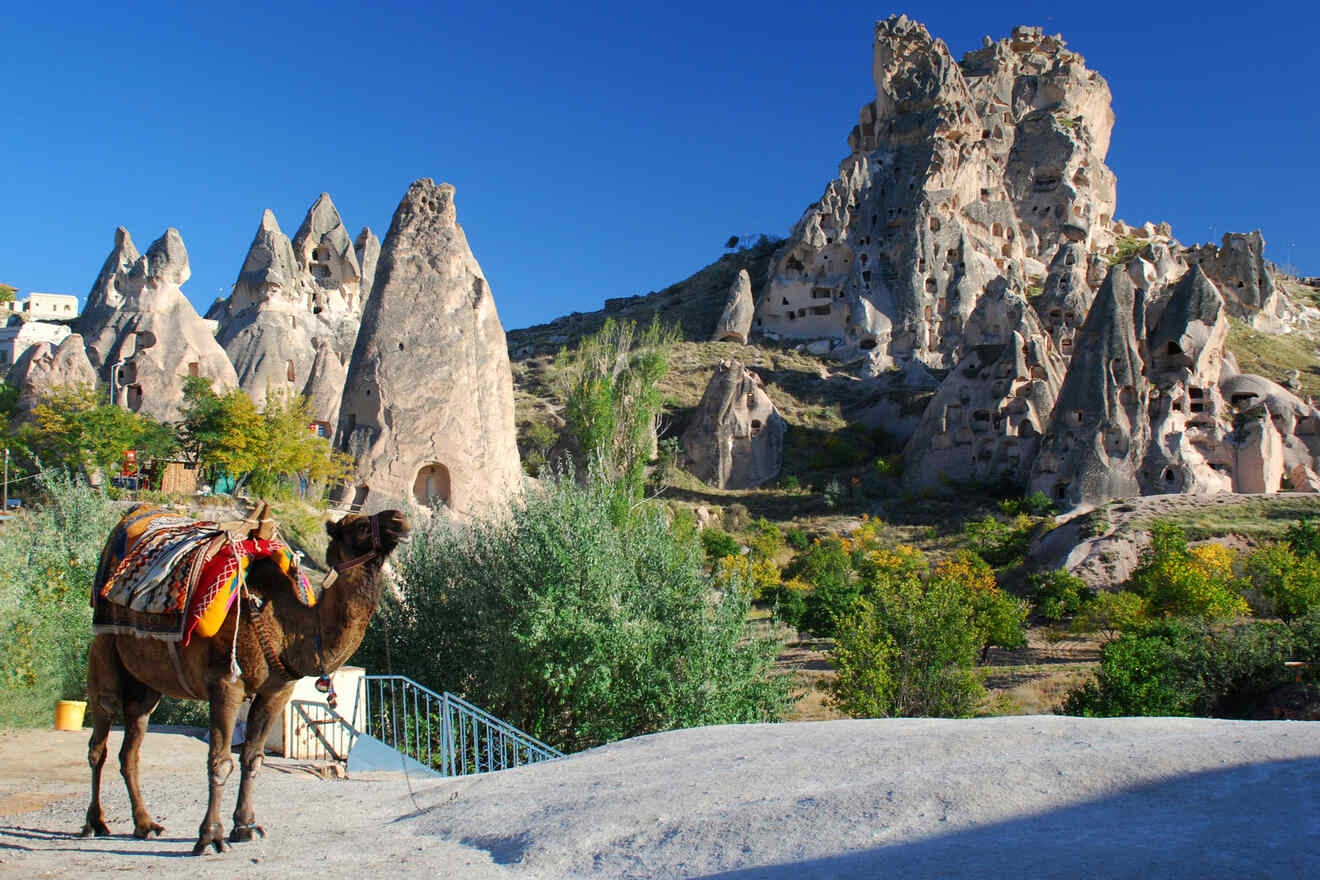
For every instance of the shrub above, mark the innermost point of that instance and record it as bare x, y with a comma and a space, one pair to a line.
909, 647
826, 566
1058, 594
574, 628
832, 493
1180, 582
1283, 582
718, 545
796, 538
758, 574
1111, 613
790, 483
890, 467
48, 559
1035, 504
999, 544
788, 601
736, 517
1190, 666
764, 539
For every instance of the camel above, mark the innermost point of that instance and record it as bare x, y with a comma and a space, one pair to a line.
288, 641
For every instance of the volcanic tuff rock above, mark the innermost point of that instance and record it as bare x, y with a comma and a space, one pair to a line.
290, 296
960, 173
44, 367
153, 336
736, 438
428, 406
985, 422
107, 292
367, 250
736, 319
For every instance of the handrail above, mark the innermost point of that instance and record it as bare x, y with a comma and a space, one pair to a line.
444, 731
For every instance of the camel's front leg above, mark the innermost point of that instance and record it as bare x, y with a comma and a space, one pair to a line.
225, 699
266, 710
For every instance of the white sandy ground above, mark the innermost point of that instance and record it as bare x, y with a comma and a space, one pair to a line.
1157, 798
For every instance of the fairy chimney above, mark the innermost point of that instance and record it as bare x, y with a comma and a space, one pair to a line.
427, 411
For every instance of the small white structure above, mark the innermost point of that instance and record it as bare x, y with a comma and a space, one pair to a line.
43, 307
18, 336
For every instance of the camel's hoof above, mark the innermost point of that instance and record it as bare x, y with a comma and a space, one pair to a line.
214, 836
243, 833
145, 832
98, 828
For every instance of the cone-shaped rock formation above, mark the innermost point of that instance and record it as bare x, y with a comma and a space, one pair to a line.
428, 406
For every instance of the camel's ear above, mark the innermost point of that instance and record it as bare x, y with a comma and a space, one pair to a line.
332, 529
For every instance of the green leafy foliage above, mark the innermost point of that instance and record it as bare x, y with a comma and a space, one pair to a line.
1058, 594
576, 628
1035, 504
612, 401
910, 644
266, 447
1284, 582
998, 543
7, 293
1178, 581
73, 429
718, 545
48, 559
796, 538
1193, 667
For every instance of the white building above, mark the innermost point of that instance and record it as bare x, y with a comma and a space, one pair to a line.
18, 336
43, 307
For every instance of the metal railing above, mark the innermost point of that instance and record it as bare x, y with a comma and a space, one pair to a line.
444, 732
324, 734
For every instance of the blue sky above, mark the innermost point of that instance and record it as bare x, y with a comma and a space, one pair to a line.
597, 151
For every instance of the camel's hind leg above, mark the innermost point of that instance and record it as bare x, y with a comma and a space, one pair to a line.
104, 674
266, 710
139, 702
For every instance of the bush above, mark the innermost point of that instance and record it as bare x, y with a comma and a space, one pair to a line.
796, 538
788, 601
1058, 594
826, 566
1283, 583
573, 628
1035, 504
736, 517
1111, 613
718, 545
999, 544
790, 483
48, 559
1177, 581
764, 539
908, 647
1190, 666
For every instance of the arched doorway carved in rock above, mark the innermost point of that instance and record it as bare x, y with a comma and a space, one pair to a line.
432, 487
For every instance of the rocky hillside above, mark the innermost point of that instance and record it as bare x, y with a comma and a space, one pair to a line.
963, 291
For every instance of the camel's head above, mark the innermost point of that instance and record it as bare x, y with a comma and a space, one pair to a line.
355, 536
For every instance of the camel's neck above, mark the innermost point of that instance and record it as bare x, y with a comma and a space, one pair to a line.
340, 619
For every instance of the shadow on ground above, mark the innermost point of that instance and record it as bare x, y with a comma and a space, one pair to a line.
1259, 820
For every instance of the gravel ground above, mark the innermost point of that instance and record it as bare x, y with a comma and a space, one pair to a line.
1035, 796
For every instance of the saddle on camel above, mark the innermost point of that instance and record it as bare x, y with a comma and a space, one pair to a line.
220, 612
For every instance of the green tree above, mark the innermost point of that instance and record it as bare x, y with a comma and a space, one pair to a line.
926, 630
575, 628
263, 448
73, 429
1191, 666
1178, 581
7, 293
612, 401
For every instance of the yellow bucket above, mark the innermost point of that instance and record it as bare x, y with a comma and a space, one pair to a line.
69, 714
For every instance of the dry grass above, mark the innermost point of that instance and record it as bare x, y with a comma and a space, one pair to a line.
1273, 355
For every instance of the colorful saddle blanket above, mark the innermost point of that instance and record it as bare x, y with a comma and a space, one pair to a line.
166, 576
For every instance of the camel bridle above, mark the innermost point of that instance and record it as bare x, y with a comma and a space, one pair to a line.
323, 682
